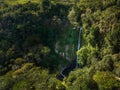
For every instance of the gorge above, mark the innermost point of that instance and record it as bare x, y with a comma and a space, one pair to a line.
59, 44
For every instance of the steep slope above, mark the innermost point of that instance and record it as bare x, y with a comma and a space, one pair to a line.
39, 38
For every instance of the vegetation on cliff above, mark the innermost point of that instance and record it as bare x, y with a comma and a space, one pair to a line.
29, 31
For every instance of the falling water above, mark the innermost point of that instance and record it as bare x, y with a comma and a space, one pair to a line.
78, 46
64, 71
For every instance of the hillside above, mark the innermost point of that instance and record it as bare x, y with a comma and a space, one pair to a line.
42, 39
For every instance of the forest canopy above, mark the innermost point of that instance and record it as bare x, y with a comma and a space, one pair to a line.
39, 38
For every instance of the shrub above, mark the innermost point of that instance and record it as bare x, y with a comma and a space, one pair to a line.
26, 67
19, 61
106, 80
116, 57
85, 54
6, 82
113, 40
117, 68
81, 79
73, 17
22, 85
105, 64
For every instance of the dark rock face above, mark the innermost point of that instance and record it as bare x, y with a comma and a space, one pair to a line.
66, 71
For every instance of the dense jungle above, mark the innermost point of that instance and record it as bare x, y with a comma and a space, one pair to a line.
59, 44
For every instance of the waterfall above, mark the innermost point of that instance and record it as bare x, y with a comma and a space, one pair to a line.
78, 47
66, 70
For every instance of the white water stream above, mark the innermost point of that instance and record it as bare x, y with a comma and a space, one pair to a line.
78, 47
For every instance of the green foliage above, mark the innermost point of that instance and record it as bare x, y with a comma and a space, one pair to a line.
45, 50
116, 59
73, 17
80, 79
106, 64
100, 21
29, 31
106, 81
19, 61
14, 2
117, 69
85, 54
38, 79
22, 70
113, 40
22, 85
6, 81
10, 53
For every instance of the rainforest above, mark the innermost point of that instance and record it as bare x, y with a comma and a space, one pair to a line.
59, 44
